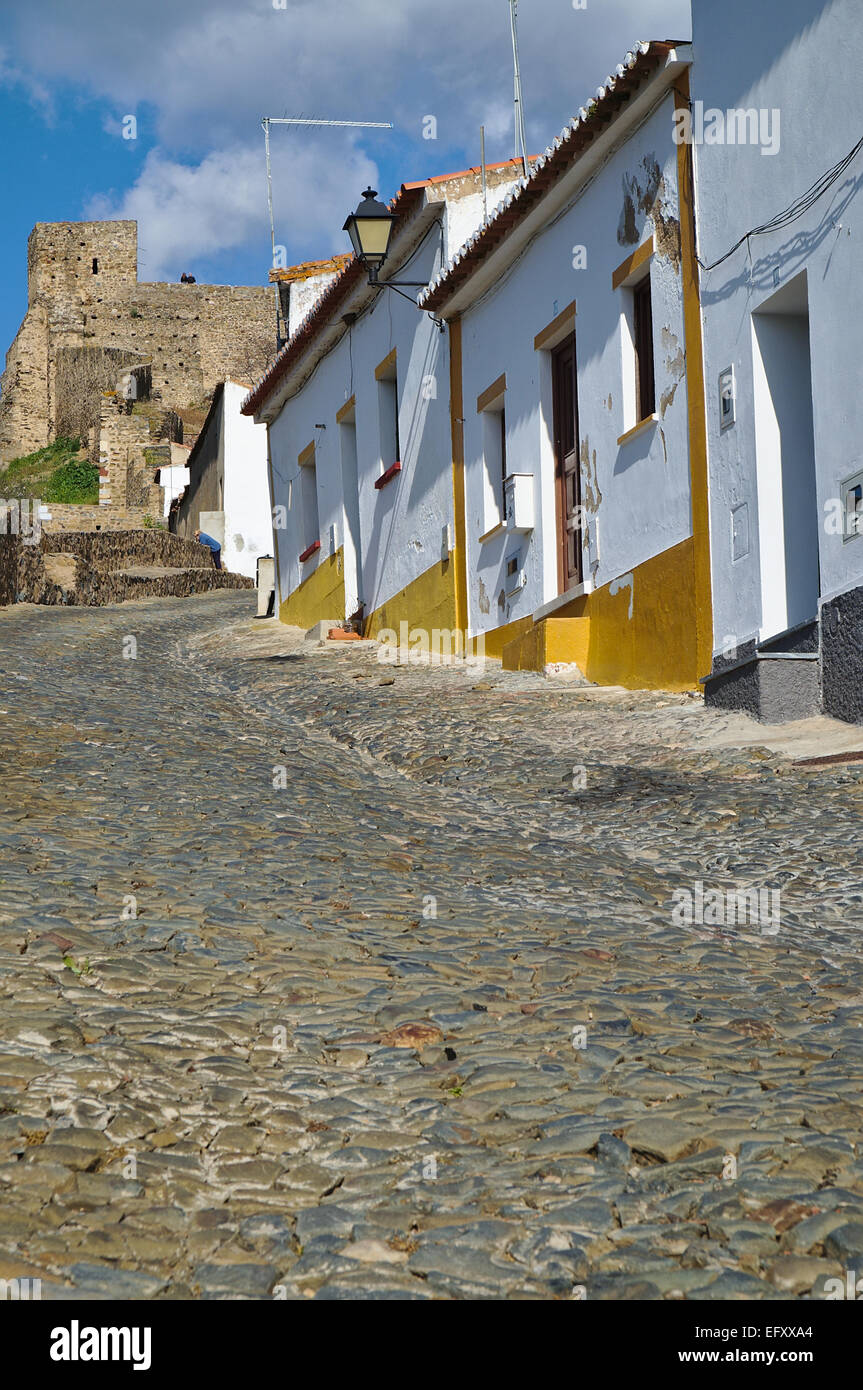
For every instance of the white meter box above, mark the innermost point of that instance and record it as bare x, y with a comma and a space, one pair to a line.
518, 492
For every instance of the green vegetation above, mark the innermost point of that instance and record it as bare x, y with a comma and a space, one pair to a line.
78, 967
57, 473
76, 481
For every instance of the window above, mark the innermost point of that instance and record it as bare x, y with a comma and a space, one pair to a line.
642, 323
567, 466
309, 524
491, 406
502, 447
388, 412
494, 458
632, 279
95, 265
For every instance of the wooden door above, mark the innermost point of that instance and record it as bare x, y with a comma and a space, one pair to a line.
567, 473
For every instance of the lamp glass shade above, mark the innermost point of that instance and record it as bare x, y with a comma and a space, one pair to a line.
370, 229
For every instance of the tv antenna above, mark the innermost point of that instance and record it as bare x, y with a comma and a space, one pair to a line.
266, 122
520, 137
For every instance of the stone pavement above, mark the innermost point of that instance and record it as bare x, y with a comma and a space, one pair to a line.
326, 978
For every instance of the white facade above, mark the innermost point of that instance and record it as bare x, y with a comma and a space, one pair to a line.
248, 524
333, 434
174, 477
784, 310
228, 494
635, 495
385, 532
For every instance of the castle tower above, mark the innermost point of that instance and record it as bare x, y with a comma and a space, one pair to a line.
90, 261
89, 317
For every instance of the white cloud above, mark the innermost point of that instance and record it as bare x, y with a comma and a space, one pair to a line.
201, 73
212, 68
37, 92
187, 212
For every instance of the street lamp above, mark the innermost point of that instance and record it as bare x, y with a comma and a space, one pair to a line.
370, 229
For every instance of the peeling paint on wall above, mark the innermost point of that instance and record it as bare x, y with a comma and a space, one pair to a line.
645, 192
668, 398
675, 366
590, 494
483, 600
626, 581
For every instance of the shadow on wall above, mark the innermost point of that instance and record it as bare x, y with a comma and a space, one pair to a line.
789, 259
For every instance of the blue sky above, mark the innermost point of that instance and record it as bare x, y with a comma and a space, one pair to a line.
198, 75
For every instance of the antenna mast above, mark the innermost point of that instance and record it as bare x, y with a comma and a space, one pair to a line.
266, 122
520, 137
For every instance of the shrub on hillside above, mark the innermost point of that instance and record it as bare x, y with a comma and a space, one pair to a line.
30, 474
76, 481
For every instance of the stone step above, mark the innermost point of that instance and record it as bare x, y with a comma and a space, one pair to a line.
775, 687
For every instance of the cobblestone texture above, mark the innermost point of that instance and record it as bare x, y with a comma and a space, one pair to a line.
241, 1058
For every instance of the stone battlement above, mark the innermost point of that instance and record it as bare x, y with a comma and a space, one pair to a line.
89, 315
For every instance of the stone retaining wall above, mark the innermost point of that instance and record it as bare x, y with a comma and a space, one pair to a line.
9, 548
111, 551
88, 569
72, 518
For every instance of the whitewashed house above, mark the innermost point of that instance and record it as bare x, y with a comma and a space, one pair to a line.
360, 431
173, 477
228, 495
227, 492
776, 132
578, 399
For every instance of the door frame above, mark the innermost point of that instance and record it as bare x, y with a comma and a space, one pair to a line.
558, 355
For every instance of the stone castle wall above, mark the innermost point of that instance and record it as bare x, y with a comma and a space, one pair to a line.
23, 402
84, 293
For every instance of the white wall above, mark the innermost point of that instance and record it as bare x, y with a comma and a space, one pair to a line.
400, 524
785, 472
173, 478
248, 521
643, 485
799, 57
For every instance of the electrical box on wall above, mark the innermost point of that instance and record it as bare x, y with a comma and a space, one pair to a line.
518, 493
516, 577
740, 531
852, 507
727, 399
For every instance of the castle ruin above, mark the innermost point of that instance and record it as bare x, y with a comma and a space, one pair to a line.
89, 317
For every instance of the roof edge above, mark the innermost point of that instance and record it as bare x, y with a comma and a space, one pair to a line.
641, 63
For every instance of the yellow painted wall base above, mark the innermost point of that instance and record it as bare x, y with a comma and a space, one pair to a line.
643, 636
318, 598
428, 602
549, 642
492, 643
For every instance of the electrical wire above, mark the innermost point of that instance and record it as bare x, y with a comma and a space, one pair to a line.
795, 210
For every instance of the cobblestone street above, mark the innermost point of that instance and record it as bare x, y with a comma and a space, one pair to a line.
328, 978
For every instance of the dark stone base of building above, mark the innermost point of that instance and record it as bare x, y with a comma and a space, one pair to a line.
842, 656
814, 669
